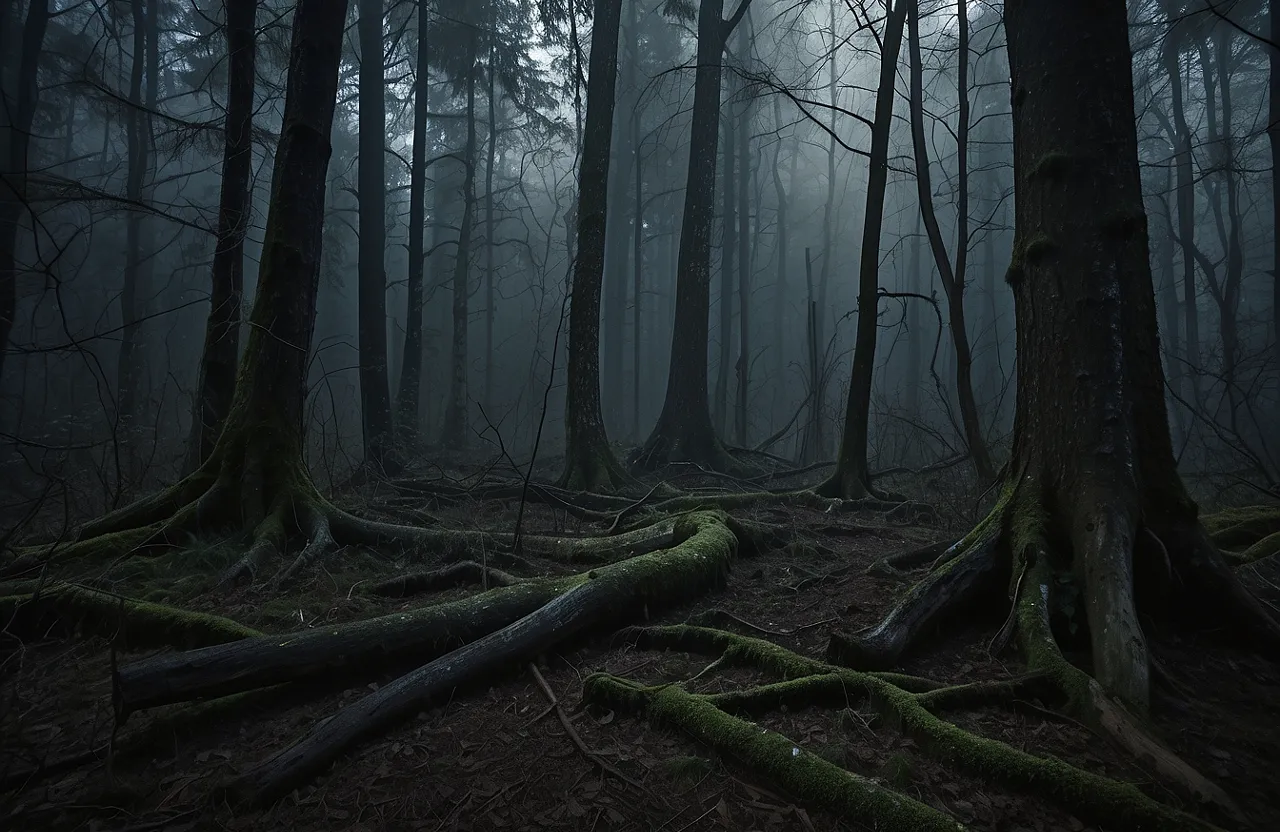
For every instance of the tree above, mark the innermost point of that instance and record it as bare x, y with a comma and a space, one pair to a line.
411, 367
375, 394
589, 462
953, 278
1093, 495
684, 430
851, 479
20, 90
222, 332
255, 478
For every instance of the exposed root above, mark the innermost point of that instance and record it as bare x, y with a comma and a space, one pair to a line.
130, 623
1094, 798
572, 733
463, 573
268, 540
950, 588
315, 524
800, 773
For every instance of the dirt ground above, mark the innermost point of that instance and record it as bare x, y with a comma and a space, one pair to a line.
497, 757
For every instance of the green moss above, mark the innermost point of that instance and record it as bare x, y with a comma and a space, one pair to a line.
1052, 166
1038, 248
1239, 527
134, 623
799, 772
1264, 548
1092, 797
687, 770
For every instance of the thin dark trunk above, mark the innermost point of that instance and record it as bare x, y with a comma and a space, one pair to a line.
915, 342
684, 430
613, 335
1273, 138
780, 298
375, 392
637, 266
19, 107
489, 296
744, 256
953, 278
222, 332
1186, 218
850, 479
728, 256
411, 366
589, 462
454, 433
129, 367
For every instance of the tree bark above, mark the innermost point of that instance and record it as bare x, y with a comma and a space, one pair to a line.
20, 98
457, 416
589, 462
743, 142
953, 279
131, 362
222, 332
851, 478
375, 393
684, 430
490, 298
411, 366
1273, 140
728, 268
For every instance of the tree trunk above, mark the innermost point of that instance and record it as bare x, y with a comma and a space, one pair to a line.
684, 430
454, 432
850, 480
589, 462
1273, 139
20, 96
222, 332
375, 393
411, 366
780, 289
637, 267
132, 359
744, 252
1186, 200
490, 299
915, 344
728, 259
953, 279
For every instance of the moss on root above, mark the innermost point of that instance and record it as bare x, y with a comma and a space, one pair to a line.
1096, 798
132, 623
805, 775
1254, 529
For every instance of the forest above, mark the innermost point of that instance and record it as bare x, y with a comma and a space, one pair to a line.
656, 415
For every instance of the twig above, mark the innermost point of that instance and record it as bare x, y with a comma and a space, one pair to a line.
573, 732
629, 509
725, 614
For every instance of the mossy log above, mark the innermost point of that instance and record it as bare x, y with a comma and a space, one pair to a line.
1091, 797
600, 597
802, 774
130, 623
413, 636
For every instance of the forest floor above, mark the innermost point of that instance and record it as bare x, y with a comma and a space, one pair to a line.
497, 757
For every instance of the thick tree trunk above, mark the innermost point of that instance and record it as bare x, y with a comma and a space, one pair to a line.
222, 332
953, 279
684, 430
20, 91
589, 462
411, 365
637, 269
454, 434
375, 394
850, 480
